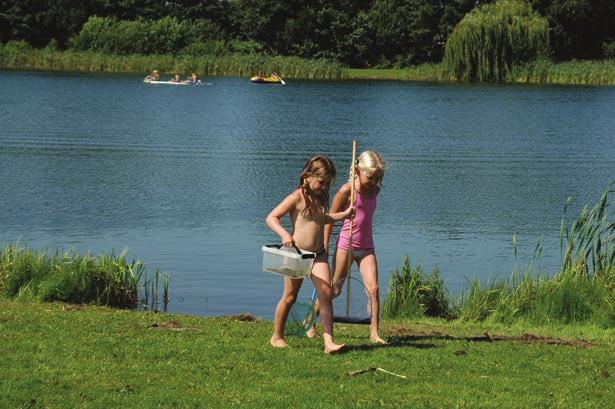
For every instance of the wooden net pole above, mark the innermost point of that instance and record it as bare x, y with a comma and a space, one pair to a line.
349, 267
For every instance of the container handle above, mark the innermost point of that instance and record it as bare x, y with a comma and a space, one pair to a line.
297, 249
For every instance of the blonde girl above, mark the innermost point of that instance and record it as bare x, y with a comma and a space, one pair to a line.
307, 208
369, 171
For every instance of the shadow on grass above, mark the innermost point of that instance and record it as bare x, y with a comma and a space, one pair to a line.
404, 337
394, 342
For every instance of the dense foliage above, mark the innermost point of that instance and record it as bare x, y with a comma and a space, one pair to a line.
164, 36
363, 33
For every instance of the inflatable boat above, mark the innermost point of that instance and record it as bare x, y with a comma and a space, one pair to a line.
267, 80
173, 82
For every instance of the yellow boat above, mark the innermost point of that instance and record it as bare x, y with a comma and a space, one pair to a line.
267, 80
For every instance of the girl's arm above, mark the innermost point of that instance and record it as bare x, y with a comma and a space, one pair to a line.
285, 207
334, 217
340, 200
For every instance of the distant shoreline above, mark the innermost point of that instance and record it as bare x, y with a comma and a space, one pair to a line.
573, 72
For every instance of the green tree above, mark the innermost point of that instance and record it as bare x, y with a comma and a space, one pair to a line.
493, 38
579, 28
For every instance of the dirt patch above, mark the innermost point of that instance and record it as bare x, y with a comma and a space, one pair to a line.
171, 325
70, 308
526, 338
245, 317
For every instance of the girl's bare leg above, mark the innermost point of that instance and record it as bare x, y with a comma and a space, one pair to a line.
368, 267
320, 277
340, 266
291, 289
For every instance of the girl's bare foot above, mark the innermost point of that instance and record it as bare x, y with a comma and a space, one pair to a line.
277, 342
335, 349
311, 333
377, 340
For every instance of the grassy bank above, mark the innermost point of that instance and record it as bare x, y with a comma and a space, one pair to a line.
105, 279
63, 356
21, 56
541, 72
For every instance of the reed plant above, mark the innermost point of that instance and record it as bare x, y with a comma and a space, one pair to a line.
107, 279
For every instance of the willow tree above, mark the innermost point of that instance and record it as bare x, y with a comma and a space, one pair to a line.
492, 38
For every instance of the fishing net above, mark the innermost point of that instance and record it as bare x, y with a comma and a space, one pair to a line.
301, 318
359, 310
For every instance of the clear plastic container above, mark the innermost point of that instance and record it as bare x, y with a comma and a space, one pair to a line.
287, 261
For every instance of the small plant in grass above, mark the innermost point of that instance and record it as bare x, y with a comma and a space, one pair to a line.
412, 294
478, 303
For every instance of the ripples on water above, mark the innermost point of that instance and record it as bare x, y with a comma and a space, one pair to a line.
184, 176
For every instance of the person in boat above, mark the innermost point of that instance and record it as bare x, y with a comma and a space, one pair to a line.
192, 79
175, 78
274, 75
153, 76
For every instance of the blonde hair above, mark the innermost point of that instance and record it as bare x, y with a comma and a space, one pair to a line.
370, 161
320, 166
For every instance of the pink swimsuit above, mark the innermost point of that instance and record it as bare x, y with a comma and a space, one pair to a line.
361, 226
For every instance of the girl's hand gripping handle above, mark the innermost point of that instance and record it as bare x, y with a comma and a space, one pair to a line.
287, 240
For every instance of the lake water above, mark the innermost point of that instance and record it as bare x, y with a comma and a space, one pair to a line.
184, 176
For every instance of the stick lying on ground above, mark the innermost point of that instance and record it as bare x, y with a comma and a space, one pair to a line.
374, 369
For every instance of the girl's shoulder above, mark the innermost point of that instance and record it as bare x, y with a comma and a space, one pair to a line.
294, 198
344, 189
297, 195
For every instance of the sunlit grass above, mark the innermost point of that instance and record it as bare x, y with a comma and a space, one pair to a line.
100, 357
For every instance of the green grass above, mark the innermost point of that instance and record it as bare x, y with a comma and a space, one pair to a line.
63, 356
424, 72
539, 72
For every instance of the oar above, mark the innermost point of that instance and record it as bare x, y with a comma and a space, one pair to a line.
282, 81
349, 268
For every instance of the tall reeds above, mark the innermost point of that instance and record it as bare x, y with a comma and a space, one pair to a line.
590, 239
582, 290
543, 71
15, 55
107, 279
